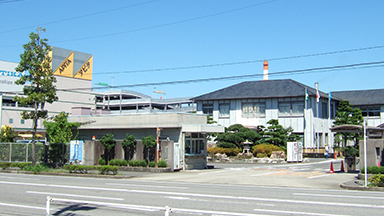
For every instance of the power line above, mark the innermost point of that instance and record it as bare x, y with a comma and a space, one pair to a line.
161, 25
9, 1
241, 62
76, 17
302, 71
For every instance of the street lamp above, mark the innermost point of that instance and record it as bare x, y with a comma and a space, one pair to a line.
112, 82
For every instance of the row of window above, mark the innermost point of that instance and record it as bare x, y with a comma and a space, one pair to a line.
22, 121
194, 143
258, 109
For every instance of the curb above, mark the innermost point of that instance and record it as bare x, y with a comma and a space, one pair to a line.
69, 174
348, 186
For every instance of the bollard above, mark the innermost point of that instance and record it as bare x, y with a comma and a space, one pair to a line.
168, 210
47, 205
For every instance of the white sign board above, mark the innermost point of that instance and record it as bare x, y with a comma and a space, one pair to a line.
8, 76
294, 152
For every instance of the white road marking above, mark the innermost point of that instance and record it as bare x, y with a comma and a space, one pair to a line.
330, 195
197, 195
264, 174
205, 173
318, 176
150, 186
21, 206
294, 213
73, 195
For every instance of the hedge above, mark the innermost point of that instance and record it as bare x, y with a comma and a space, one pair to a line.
78, 168
265, 149
107, 169
227, 151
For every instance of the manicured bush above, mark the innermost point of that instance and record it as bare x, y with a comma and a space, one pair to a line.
227, 151
78, 168
123, 163
377, 180
102, 161
162, 163
143, 163
261, 155
107, 170
133, 163
265, 149
117, 162
151, 164
373, 170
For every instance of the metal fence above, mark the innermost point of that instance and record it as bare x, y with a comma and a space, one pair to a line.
55, 153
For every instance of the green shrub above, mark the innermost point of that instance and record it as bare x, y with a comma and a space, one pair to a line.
78, 168
123, 163
143, 163
102, 161
114, 162
107, 169
227, 151
265, 149
132, 163
20, 165
36, 169
4, 165
373, 170
377, 180
261, 155
162, 163
151, 164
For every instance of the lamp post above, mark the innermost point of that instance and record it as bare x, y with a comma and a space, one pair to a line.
112, 82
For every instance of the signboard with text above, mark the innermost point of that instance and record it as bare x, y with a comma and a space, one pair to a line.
8, 76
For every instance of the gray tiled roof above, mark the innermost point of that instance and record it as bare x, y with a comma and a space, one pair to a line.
361, 97
262, 89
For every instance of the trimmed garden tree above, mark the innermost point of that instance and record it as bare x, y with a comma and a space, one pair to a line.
148, 142
108, 142
40, 88
277, 135
129, 145
234, 136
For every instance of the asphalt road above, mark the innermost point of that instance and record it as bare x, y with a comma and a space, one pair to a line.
281, 189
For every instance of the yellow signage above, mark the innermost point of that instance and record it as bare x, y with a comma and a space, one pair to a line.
85, 71
66, 68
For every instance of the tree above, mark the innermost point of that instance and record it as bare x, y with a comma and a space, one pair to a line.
59, 131
129, 144
108, 142
7, 134
277, 135
346, 115
235, 135
148, 142
38, 83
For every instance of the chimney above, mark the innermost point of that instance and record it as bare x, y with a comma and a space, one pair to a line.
265, 70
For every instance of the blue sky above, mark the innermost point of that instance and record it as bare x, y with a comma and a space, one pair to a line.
139, 35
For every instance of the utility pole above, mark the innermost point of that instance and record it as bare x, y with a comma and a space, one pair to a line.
157, 143
316, 131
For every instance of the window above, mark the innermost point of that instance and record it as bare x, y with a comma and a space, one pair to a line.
370, 111
10, 121
22, 121
284, 109
224, 110
291, 108
208, 109
324, 110
253, 109
332, 111
298, 108
195, 144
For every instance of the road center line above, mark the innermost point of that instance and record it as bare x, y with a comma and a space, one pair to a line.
318, 176
73, 195
21, 206
327, 195
150, 186
294, 213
